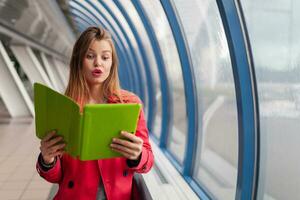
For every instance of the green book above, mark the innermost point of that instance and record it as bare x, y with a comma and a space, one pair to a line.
88, 135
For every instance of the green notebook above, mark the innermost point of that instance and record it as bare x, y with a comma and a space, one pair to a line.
88, 135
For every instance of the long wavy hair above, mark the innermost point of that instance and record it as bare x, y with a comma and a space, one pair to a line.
77, 88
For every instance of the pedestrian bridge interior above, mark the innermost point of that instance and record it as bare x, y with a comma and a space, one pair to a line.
218, 80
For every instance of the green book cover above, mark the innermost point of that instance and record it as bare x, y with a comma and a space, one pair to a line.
88, 135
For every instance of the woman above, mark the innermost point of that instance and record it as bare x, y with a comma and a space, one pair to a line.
94, 79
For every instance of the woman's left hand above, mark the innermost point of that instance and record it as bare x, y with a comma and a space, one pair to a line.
131, 148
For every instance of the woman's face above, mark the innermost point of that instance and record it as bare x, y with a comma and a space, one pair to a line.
97, 62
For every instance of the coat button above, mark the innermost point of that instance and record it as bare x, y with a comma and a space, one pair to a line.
71, 184
125, 173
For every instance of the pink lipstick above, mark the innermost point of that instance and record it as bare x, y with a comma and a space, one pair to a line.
97, 72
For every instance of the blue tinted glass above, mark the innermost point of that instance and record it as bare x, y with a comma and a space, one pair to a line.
217, 148
274, 30
159, 21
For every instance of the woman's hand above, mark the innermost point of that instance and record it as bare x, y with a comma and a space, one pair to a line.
131, 149
51, 146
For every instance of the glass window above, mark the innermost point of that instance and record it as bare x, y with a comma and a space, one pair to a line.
217, 150
133, 42
133, 14
35, 20
274, 30
23, 76
177, 140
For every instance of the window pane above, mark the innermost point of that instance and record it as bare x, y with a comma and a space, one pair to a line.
274, 30
159, 21
133, 42
133, 14
217, 150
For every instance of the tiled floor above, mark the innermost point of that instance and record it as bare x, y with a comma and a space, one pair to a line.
19, 148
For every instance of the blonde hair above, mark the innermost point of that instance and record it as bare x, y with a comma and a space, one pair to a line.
77, 88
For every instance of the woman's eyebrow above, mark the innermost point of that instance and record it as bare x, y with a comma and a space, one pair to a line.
91, 50
106, 51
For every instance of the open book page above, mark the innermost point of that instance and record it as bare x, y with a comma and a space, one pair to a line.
55, 111
102, 122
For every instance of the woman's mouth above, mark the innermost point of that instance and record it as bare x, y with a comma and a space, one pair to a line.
97, 72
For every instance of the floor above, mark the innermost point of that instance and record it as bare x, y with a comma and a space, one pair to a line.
19, 148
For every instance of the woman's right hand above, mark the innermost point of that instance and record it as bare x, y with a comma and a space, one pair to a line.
51, 146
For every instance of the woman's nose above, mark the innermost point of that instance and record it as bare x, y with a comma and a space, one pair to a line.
98, 61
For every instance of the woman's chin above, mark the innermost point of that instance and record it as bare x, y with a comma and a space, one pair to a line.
95, 82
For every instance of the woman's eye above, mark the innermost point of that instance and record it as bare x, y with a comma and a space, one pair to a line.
105, 57
90, 56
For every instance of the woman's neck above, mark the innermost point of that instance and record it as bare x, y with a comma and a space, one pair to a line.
96, 94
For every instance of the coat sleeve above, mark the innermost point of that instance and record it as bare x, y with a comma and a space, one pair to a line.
53, 175
147, 158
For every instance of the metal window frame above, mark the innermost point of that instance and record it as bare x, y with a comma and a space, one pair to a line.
136, 68
149, 79
189, 85
164, 82
246, 97
245, 87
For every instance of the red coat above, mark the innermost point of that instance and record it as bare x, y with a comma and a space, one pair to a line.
80, 179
